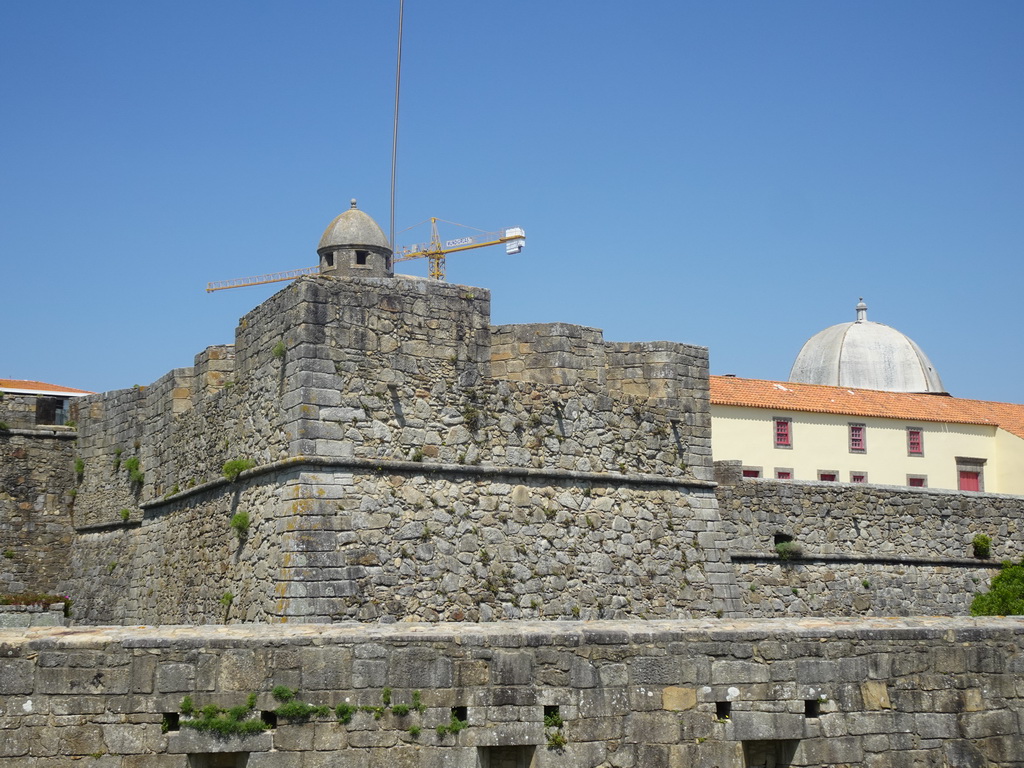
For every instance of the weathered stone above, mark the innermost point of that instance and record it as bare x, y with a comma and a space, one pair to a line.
875, 695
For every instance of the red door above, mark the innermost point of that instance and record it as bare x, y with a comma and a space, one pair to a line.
970, 481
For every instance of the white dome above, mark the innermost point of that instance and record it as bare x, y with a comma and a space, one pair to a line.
865, 355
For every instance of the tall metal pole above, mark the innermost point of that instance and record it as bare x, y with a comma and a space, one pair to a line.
394, 140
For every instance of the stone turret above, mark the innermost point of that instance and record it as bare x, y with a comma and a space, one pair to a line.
353, 245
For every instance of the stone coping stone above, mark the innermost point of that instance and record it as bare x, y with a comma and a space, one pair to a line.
19, 641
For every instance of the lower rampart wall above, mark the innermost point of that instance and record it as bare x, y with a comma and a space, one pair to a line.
863, 549
877, 693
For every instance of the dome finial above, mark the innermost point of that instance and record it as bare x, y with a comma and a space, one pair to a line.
862, 311
353, 203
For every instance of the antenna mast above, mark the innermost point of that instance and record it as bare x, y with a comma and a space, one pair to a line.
394, 140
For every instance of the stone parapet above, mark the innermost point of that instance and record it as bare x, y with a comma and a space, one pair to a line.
658, 694
17, 616
549, 354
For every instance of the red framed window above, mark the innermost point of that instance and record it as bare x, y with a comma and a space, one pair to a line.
751, 472
858, 441
969, 481
783, 434
858, 477
783, 474
916, 482
829, 477
915, 442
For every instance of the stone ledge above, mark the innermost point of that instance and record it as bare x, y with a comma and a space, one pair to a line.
15, 642
428, 468
895, 559
67, 433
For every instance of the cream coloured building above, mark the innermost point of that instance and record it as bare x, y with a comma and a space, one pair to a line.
865, 405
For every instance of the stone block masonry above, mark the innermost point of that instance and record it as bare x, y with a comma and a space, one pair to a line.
37, 487
409, 462
336, 540
864, 549
872, 693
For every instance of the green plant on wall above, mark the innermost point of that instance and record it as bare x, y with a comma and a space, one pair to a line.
79, 469
788, 550
471, 416
982, 546
553, 724
232, 469
293, 709
279, 350
1006, 596
125, 514
453, 726
223, 722
240, 522
135, 473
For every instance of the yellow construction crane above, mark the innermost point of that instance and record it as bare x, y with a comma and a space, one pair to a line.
434, 251
514, 239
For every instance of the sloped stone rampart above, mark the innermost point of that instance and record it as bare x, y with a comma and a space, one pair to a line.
335, 540
881, 693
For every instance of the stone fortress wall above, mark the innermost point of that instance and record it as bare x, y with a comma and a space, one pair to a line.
864, 549
877, 693
36, 528
409, 462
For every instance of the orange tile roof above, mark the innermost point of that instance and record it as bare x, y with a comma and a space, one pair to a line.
785, 395
39, 387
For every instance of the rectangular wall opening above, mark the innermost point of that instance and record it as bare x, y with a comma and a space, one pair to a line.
506, 757
219, 760
769, 754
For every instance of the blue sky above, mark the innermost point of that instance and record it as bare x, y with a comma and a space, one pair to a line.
730, 174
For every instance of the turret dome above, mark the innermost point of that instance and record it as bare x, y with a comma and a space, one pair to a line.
354, 245
352, 228
865, 355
